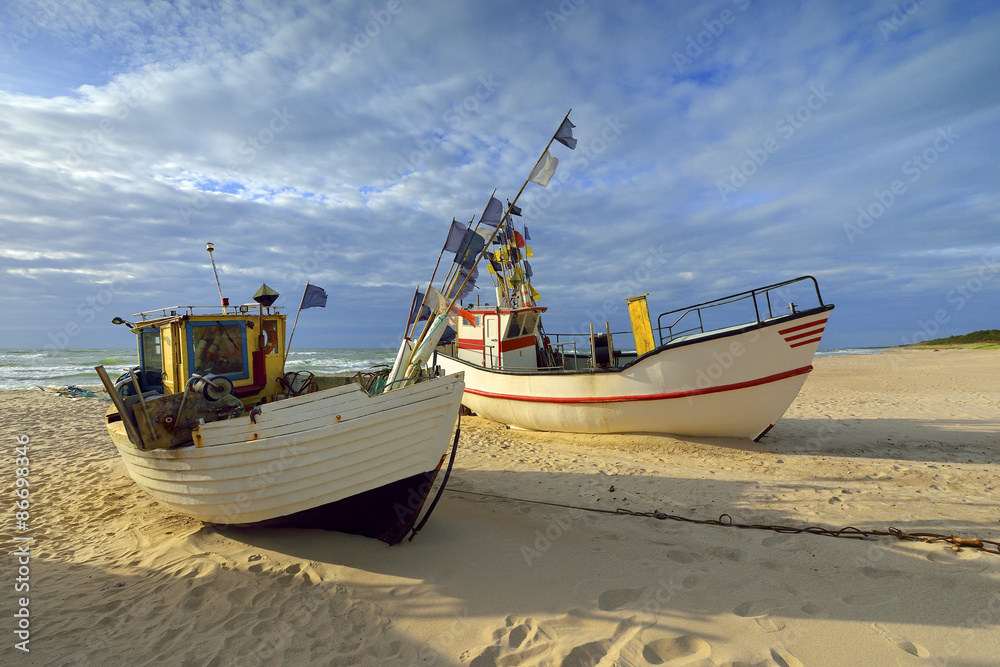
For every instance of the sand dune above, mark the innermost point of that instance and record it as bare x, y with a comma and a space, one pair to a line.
909, 439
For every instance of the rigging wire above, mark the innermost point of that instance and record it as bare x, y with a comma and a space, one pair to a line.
725, 520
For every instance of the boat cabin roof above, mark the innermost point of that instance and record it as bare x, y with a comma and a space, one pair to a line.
240, 311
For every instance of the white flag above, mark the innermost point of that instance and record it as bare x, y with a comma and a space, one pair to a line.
542, 173
436, 301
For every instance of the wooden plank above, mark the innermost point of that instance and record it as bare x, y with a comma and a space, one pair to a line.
130, 427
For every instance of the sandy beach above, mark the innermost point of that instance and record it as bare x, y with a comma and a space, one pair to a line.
909, 439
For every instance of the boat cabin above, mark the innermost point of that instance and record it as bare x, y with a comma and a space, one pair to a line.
196, 368
500, 338
245, 346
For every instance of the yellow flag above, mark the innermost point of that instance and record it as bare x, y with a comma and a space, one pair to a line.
535, 296
527, 252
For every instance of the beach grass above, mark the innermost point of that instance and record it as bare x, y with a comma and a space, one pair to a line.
987, 339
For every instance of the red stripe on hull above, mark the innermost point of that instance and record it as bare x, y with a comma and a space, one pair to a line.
648, 397
805, 334
806, 342
803, 326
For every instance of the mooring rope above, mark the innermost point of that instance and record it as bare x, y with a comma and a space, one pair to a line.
725, 520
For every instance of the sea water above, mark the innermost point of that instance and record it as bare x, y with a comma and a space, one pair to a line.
29, 369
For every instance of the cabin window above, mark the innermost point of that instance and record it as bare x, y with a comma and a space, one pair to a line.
271, 337
150, 360
218, 348
522, 324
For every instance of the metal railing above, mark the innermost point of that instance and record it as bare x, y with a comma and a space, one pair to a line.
760, 297
177, 311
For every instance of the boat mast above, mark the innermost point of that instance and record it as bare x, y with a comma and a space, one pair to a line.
486, 248
211, 249
509, 207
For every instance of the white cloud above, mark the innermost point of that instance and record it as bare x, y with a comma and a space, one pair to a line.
135, 132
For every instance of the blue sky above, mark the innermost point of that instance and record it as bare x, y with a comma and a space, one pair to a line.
722, 146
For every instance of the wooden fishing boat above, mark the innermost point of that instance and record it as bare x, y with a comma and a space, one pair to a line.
705, 375
211, 426
732, 380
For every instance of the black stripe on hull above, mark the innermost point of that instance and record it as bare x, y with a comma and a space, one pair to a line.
386, 513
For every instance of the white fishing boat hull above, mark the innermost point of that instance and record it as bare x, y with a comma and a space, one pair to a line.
339, 450
730, 383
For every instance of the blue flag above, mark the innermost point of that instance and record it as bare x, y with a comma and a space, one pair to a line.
471, 247
564, 134
419, 312
491, 216
456, 234
314, 297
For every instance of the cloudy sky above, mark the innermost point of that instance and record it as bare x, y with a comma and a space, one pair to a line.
722, 146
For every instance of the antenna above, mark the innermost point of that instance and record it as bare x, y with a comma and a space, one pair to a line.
225, 302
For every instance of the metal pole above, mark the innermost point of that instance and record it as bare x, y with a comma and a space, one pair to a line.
211, 249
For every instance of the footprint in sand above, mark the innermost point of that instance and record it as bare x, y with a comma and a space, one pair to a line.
783, 658
964, 560
694, 580
880, 572
756, 608
578, 640
784, 542
728, 553
683, 650
520, 641
768, 624
815, 610
614, 599
900, 641
868, 600
683, 556
772, 566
